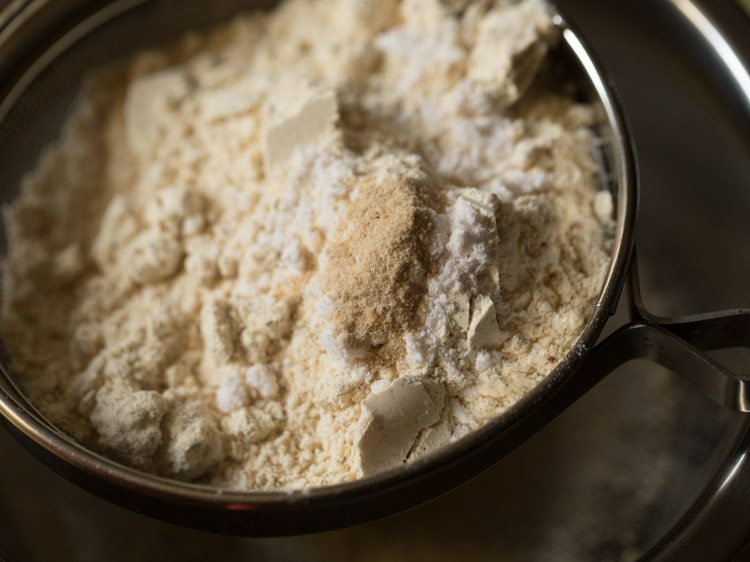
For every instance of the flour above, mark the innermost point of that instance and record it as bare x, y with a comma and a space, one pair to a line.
309, 246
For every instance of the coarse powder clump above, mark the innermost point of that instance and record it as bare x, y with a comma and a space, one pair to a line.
376, 264
311, 245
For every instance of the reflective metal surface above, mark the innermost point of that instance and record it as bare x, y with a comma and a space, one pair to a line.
725, 52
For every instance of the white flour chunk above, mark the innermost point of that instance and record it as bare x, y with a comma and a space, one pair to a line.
398, 413
511, 44
153, 257
232, 393
312, 118
484, 330
149, 108
194, 443
129, 422
263, 380
217, 331
604, 206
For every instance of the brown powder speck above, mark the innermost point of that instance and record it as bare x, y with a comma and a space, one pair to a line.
375, 276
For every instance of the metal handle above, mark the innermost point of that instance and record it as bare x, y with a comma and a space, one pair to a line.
679, 343
715, 527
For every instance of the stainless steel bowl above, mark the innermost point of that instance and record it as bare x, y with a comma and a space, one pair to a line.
47, 48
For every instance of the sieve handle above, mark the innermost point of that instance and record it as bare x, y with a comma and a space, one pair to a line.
679, 344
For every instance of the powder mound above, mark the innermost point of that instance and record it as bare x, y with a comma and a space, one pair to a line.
377, 265
311, 245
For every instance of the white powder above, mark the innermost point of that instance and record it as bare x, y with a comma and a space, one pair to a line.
308, 246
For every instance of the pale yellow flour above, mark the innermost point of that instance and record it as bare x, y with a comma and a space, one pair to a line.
308, 246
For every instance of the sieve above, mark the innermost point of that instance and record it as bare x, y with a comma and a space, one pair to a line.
46, 49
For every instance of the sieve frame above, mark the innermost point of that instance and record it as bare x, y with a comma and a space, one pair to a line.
679, 343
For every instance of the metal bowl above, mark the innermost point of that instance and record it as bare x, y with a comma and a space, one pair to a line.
47, 48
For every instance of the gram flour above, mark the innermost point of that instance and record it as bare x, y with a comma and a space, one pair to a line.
311, 245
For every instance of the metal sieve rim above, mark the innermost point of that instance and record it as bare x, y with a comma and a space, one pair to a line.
275, 513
